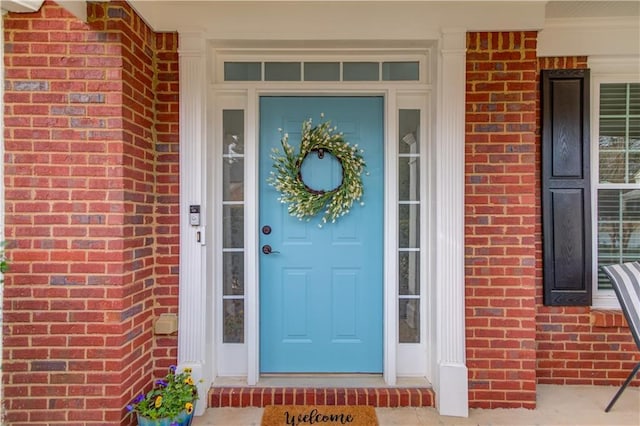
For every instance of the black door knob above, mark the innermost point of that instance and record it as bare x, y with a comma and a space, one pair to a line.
266, 249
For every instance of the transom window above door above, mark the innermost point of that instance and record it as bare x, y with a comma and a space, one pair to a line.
322, 71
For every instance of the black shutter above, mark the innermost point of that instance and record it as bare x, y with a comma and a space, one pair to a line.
566, 195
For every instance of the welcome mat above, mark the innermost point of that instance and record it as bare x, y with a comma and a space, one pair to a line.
319, 415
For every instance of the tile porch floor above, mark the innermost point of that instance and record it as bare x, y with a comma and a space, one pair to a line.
557, 405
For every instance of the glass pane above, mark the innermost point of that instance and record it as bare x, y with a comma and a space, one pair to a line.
282, 71
634, 167
632, 252
409, 218
233, 226
614, 127
242, 71
619, 129
233, 132
613, 99
409, 321
607, 233
603, 281
634, 133
233, 273
409, 131
397, 71
233, 328
322, 71
233, 178
618, 226
409, 178
360, 71
612, 167
409, 279
611, 143
634, 99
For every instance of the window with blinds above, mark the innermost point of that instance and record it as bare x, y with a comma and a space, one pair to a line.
618, 187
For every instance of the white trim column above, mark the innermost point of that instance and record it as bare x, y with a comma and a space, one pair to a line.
451, 384
390, 313
193, 309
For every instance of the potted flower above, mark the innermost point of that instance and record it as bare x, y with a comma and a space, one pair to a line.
169, 403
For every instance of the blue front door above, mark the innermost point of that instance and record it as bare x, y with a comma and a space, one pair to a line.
321, 294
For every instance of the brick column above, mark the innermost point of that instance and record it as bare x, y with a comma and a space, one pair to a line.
82, 125
500, 218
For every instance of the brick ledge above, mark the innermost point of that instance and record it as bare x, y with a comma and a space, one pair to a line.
608, 318
246, 396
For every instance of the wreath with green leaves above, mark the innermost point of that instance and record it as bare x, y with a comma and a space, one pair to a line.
305, 202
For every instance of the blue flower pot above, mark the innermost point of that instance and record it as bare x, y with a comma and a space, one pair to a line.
183, 419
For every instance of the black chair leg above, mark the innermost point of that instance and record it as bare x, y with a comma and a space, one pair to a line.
622, 388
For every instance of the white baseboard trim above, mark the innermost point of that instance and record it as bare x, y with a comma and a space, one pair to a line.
452, 396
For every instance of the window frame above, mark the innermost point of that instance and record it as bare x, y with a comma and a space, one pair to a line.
604, 71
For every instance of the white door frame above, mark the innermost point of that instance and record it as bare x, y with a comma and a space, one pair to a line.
196, 334
252, 223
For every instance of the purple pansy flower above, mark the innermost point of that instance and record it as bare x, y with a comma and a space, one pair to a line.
138, 399
162, 383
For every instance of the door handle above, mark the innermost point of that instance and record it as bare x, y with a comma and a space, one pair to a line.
266, 249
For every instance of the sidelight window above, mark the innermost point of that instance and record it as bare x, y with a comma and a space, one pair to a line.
409, 205
233, 208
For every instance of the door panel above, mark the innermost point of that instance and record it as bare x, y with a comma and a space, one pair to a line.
321, 294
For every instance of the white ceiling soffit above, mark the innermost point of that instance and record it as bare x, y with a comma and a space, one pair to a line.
21, 6
591, 28
592, 9
77, 7
337, 20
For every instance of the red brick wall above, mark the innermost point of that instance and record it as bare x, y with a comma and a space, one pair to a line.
91, 184
513, 341
500, 216
167, 220
577, 345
